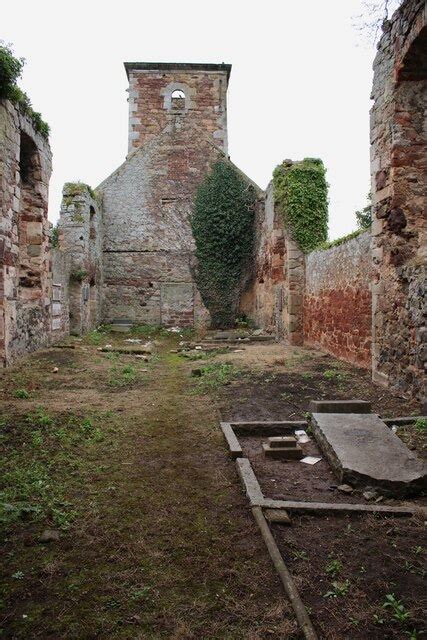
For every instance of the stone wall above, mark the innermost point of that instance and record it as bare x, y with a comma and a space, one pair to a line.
77, 262
153, 105
337, 300
274, 301
25, 264
399, 230
148, 252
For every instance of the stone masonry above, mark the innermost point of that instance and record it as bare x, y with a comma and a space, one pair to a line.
177, 129
161, 94
399, 187
337, 300
25, 263
274, 301
77, 262
126, 251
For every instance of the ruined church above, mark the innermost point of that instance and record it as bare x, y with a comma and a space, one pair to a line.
125, 251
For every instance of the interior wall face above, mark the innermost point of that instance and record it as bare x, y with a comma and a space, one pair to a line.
337, 300
25, 264
148, 250
398, 169
274, 301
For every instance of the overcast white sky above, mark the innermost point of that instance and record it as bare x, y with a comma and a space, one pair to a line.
299, 86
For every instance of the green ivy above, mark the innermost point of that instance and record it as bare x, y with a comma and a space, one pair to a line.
79, 274
223, 229
10, 70
301, 194
54, 237
342, 240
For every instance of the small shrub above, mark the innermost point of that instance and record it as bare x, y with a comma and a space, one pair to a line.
333, 567
339, 589
421, 424
398, 609
78, 274
10, 70
332, 374
216, 375
23, 394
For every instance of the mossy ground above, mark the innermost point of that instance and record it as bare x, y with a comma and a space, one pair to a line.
156, 538
126, 460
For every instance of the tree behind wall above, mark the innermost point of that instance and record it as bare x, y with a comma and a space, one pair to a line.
223, 229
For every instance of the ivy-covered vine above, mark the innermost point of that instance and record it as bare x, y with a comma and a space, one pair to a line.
10, 70
301, 194
223, 229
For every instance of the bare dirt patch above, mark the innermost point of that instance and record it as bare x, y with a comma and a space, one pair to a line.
347, 568
281, 386
156, 540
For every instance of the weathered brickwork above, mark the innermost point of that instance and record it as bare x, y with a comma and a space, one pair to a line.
154, 101
398, 169
274, 301
25, 267
148, 249
77, 261
337, 300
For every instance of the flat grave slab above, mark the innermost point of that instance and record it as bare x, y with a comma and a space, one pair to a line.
364, 452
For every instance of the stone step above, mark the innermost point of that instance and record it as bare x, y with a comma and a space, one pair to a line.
282, 441
283, 453
364, 452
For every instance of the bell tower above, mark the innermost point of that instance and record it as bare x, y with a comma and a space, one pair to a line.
163, 94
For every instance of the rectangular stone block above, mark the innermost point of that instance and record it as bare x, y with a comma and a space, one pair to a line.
364, 452
282, 441
339, 406
283, 453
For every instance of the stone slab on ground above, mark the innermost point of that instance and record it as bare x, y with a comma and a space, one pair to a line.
364, 452
339, 406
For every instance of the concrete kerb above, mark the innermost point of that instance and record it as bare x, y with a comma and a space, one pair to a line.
233, 429
285, 576
232, 441
257, 499
402, 422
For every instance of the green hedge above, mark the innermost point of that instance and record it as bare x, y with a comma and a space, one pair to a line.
223, 229
301, 194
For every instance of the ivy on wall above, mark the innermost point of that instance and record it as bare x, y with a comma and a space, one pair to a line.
223, 229
10, 70
301, 194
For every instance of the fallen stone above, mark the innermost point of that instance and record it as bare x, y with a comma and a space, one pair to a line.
196, 373
339, 406
345, 488
121, 328
49, 535
364, 453
278, 516
370, 495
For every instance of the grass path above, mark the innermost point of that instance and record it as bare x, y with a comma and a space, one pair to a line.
156, 540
